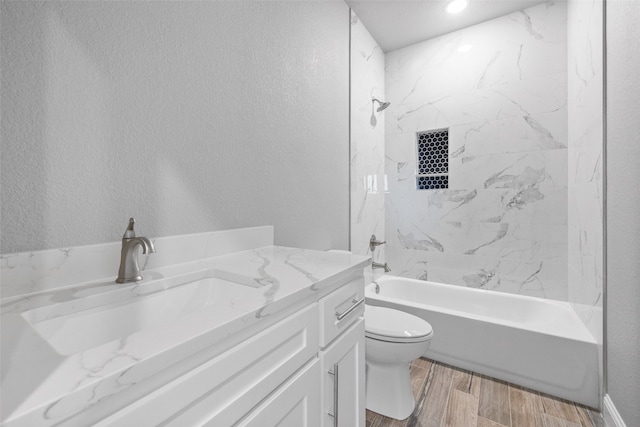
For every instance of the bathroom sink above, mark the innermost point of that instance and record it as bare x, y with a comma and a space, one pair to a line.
76, 328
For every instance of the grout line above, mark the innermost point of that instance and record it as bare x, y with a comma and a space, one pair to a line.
510, 411
509, 402
446, 405
422, 397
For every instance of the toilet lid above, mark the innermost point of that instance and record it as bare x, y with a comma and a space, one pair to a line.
386, 324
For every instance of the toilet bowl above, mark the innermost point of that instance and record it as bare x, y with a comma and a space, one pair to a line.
393, 339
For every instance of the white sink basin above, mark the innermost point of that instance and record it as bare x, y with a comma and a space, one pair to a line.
78, 328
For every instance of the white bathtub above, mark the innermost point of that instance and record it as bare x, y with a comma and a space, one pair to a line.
536, 343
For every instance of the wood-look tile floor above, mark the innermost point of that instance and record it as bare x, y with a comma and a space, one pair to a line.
451, 397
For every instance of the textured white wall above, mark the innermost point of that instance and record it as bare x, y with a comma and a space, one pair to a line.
623, 205
189, 116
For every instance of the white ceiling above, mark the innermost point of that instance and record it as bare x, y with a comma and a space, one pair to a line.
398, 23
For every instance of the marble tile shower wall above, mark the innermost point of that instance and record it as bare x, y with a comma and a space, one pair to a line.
47, 270
501, 89
585, 48
367, 141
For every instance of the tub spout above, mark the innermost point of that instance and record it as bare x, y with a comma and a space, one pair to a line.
377, 288
379, 265
129, 270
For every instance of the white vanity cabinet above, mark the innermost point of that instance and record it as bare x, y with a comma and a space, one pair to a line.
225, 329
342, 356
306, 370
273, 364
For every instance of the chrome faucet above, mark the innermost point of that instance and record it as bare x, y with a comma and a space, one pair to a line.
373, 243
129, 269
379, 265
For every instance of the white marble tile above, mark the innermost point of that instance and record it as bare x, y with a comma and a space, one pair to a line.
585, 175
29, 272
477, 223
543, 170
517, 206
515, 157
543, 279
507, 99
512, 135
586, 249
516, 67
536, 44
502, 224
539, 279
474, 139
441, 212
367, 141
546, 131
520, 46
531, 206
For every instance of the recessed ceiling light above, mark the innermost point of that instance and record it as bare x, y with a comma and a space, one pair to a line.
455, 6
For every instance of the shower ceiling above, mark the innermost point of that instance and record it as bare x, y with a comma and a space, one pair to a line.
398, 23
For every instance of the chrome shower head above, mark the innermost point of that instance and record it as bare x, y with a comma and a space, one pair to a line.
382, 106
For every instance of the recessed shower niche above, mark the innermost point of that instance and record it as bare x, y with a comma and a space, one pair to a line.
432, 159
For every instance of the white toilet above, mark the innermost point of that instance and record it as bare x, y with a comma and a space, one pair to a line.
393, 339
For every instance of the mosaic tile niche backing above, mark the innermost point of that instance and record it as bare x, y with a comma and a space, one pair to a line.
432, 159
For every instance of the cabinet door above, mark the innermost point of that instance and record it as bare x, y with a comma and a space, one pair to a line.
295, 404
343, 379
227, 387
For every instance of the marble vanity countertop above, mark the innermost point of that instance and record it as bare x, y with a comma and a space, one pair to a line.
42, 385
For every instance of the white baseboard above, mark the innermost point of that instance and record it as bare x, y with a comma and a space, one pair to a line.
610, 414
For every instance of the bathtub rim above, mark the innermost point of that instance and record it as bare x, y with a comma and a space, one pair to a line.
579, 332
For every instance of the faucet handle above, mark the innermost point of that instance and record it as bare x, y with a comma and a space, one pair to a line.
373, 242
384, 266
130, 232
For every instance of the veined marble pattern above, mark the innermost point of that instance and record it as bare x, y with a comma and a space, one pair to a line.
545, 131
585, 162
367, 142
502, 224
50, 383
504, 100
31, 272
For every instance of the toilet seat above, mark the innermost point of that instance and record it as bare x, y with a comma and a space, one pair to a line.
386, 324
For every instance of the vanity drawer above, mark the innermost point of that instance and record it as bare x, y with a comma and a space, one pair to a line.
226, 388
340, 309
